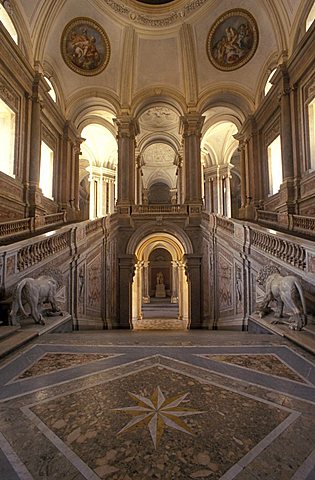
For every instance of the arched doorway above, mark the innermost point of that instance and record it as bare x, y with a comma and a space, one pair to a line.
160, 281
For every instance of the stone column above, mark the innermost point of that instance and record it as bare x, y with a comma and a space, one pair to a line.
145, 276
287, 187
228, 194
174, 296
104, 205
110, 187
127, 129
145, 198
76, 173
173, 193
193, 272
286, 130
191, 125
126, 274
219, 192
35, 151
208, 194
139, 181
243, 179
180, 188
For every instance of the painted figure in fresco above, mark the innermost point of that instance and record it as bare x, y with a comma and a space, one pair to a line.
84, 51
233, 45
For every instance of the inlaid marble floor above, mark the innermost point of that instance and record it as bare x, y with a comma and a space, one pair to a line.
150, 405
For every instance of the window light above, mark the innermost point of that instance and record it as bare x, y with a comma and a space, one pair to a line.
275, 165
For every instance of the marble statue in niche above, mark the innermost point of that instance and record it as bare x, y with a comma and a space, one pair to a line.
287, 292
34, 293
160, 287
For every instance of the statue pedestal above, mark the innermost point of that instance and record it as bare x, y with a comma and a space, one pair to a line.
160, 291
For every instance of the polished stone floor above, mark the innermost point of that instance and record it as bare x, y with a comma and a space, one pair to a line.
157, 405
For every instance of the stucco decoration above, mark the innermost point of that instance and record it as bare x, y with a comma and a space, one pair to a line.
232, 40
159, 118
85, 46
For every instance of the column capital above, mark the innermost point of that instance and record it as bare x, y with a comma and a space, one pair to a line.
191, 124
127, 126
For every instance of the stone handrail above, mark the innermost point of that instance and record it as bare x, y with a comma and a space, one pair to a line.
179, 209
292, 223
34, 253
55, 218
263, 216
301, 224
225, 224
15, 227
94, 225
285, 250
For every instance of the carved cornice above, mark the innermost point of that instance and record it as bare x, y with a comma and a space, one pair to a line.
154, 20
8, 95
48, 137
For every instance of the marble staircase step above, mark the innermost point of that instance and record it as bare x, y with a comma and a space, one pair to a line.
304, 338
6, 331
14, 341
11, 338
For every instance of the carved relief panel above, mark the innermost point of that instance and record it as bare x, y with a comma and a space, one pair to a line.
94, 286
239, 289
225, 274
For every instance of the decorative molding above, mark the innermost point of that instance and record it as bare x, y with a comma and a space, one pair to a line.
153, 20
8, 95
48, 137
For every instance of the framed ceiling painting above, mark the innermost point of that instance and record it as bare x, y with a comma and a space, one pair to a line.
232, 40
85, 46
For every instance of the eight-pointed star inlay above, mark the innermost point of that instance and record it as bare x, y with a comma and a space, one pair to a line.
156, 413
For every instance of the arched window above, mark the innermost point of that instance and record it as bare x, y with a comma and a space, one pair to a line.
310, 18
8, 24
52, 91
268, 84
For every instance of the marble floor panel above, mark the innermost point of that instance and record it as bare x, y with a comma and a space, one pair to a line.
136, 411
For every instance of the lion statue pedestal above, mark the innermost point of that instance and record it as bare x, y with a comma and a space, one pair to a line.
287, 292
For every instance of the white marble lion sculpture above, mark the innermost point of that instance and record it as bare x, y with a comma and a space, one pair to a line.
287, 292
34, 292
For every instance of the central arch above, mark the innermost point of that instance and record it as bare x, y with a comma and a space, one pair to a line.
178, 290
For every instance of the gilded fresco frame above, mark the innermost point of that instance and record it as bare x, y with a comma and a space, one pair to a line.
232, 40
85, 46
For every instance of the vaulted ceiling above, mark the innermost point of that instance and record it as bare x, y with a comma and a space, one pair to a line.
159, 66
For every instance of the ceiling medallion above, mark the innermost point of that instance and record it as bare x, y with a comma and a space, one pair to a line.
85, 46
232, 40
